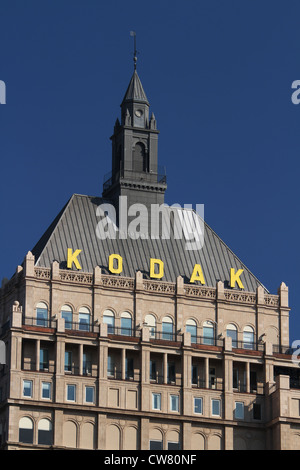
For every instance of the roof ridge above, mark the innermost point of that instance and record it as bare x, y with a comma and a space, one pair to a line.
50, 229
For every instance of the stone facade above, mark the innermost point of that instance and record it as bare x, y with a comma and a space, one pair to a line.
102, 389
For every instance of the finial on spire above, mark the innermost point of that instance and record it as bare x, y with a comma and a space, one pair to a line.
133, 33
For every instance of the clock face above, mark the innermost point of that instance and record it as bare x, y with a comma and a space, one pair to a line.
139, 113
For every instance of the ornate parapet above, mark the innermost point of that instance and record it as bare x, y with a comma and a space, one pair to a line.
108, 281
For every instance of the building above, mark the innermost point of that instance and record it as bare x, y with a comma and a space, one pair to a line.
122, 343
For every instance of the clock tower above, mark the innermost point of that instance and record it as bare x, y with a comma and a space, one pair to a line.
135, 171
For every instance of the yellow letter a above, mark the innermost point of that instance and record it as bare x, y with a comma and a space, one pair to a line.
72, 258
197, 274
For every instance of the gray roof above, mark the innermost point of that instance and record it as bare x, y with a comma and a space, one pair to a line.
75, 227
135, 90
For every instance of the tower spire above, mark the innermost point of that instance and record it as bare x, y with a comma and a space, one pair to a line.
133, 33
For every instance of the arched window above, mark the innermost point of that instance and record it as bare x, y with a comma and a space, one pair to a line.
126, 324
173, 440
156, 439
248, 337
140, 160
67, 315
84, 319
45, 432
151, 323
42, 314
208, 333
191, 327
26, 430
109, 320
231, 331
167, 328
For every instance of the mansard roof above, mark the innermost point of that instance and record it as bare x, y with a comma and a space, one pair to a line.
75, 227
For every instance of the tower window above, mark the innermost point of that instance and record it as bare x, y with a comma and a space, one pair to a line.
140, 158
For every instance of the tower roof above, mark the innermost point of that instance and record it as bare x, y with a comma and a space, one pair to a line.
75, 227
135, 90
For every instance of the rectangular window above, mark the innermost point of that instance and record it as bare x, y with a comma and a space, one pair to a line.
194, 375
173, 446
171, 372
68, 317
192, 329
248, 340
215, 407
42, 317
126, 326
84, 322
235, 378
68, 361
71, 392
233, 335
89, 394
27, 388
256, 411
87, 364
156, 401
212, 378
198, 405
156, 445
174, 402
208, 335
152, 332
110, 367
44, 360
129, 368
253, 381
167, 331
239, 410
46, 390
110, 322
152, 370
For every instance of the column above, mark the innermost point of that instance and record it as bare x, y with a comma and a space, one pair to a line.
102, 364
228, 392
60, 369
186, 438
60, 356
207, 372
144, 433
248, 377
81, 359
123, 371
58, 437
228, 435
165, 368
186, 369
101, 444
37, 354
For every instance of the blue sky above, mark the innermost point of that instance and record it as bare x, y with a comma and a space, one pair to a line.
218, 76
